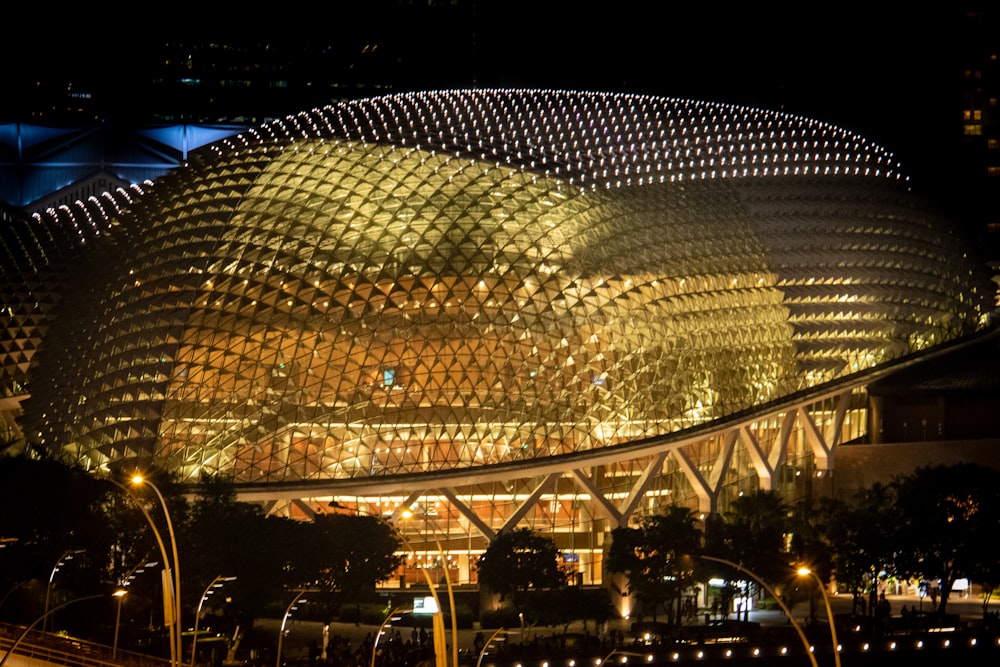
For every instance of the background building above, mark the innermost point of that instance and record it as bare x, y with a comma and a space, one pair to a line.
980, 90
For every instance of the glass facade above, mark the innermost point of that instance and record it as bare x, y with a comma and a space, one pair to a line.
550, 308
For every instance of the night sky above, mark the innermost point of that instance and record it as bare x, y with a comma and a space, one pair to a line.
887, 70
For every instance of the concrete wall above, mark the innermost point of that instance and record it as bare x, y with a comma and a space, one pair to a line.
861, 466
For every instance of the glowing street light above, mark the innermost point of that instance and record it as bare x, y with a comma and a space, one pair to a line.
218, 582
66, 557
172, 611
784, 608
120, 594
805, 571
440, 643
171, 586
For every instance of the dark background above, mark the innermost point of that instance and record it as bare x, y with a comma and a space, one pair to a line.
891, 71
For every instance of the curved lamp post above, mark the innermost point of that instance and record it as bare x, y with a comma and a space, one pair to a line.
20, 584
171, 586
618, 651
784, 608
120, 594
20, 638
440, 649
440, 652
805, 571
67, 556
288, 610
139, 480
218, 582
381, 629
482, 651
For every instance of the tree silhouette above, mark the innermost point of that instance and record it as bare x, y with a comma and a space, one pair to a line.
860, 535
659, 558
518, 561
949, 516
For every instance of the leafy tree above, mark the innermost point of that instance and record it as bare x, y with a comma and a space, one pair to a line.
658, 557
344, 555
860, 535
807, 546
949, 516
520, 560
228, 538
753, 536
48, 509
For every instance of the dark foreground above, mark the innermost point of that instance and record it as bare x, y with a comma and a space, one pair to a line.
962, 645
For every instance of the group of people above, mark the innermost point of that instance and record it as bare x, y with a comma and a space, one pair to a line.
397, 648
393, 650
877, 605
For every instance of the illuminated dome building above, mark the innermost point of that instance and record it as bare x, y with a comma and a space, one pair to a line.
491, 307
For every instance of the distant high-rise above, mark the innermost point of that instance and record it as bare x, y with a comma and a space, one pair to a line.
979, 53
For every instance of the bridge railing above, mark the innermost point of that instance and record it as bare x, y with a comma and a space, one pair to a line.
60, 650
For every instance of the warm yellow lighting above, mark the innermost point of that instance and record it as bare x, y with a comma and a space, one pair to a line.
805, 571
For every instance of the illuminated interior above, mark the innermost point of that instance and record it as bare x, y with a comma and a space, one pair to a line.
492, 308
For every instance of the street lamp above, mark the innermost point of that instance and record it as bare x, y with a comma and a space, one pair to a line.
174, 585
440, 650
20, 584
67, 556
617, 651
440, 643
218, 582
482, 651
784, 608
388, 619
291, 607
171, 608
120, 594
805, 571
